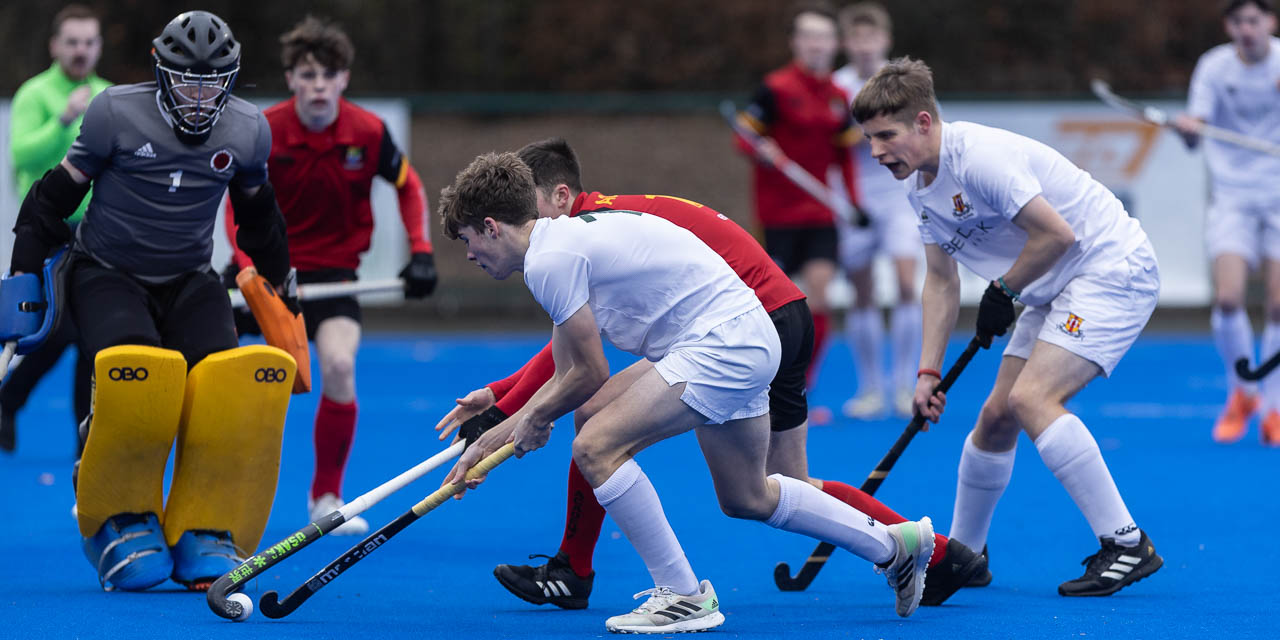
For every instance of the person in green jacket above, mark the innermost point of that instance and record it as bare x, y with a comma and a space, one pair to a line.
44, 121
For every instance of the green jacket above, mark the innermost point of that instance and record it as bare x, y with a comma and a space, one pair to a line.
37, 139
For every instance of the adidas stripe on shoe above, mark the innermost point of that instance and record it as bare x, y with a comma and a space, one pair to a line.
667, 612
1113, 568
550, 583
906, 570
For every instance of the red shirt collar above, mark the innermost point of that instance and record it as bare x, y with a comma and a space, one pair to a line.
341, 132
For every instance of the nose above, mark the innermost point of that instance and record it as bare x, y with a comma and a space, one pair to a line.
877, 149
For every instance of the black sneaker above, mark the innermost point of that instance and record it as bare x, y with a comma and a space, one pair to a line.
982, 578
958, 568
8, 431
1113, 568
553, 582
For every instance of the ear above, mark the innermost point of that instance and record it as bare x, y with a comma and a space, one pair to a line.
491, 227
288, 79
923, 122
561, 196
343, 79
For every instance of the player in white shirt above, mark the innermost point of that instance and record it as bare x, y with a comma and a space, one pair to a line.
867, 35
1019, 213
1235, 86
653, 289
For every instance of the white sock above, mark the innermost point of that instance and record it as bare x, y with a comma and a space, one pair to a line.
807, 510
904, 337
1233, 335
631, 501
982, 479
1271, 383
866, 335
1071, 453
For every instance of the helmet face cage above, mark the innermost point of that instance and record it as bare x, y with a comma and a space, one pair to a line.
194, 100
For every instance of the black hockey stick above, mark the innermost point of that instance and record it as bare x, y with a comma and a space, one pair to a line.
1245, 373
272, 607
782, 572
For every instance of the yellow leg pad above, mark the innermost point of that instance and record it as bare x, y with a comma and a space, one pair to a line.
137, 400
228, 458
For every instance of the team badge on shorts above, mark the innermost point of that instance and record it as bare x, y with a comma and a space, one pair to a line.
1072, 326
354, 159
962, 209
221, 160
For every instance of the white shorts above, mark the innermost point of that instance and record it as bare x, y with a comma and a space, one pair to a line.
726, 372
1242, 226
893, 231
1098, 315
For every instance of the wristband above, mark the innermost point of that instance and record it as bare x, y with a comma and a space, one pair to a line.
1013, 295
931, 372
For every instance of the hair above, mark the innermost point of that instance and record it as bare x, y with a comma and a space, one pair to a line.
327, 42
552, 162
871, 14
494, 185
819, 7
901, 89
70, 12
1231, 6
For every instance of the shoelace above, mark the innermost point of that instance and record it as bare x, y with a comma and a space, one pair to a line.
655, 594
540, 572
1103, 557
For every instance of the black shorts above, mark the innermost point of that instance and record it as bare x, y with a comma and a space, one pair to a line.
316, 311
788, 402
190, 314
793, 247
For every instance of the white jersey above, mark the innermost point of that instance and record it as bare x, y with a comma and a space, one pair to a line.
875, 183
985, 177
1230, 94
649, 283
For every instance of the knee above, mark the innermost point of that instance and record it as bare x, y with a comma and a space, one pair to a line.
595, 457
1227, 302
1025, 402
339, 369
997, 416
747, 506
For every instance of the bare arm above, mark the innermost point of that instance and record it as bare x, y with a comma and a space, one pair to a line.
1048, 239
939, 305
581, 368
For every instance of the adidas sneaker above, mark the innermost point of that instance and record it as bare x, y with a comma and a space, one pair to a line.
669, 612
551, 583
1113, 568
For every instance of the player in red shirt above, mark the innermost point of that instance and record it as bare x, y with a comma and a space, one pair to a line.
325, 153
803, 116
569, 573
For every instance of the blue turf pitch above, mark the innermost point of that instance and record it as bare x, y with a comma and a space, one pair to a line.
1211, 511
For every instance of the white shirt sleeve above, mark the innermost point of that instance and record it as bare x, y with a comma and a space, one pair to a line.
1200, 96
1002, 178
559, 281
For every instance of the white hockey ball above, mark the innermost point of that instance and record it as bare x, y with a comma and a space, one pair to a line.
246, 606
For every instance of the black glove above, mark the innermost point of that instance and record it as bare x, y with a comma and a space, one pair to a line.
289, 289
995, 314
480, 423
419, 276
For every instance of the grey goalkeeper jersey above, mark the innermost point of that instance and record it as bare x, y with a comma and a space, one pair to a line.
155, 199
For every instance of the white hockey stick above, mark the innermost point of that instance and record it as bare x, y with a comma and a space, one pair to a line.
1160, 118
322, 290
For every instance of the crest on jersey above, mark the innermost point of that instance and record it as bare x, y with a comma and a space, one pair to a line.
961, 209
220, 160
1072, 326
353, 159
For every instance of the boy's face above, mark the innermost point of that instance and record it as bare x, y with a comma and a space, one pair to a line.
485, 248
898, 146
866, 44
1250, 29
814, 42
316, 87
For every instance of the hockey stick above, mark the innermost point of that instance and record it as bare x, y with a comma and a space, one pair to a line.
830, 198
258, 564
782, 572
1160, 118
273, 608
322, 290
1245, 373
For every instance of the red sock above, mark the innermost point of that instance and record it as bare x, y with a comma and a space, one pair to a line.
334, 431
582, 522
820, 323
862, 501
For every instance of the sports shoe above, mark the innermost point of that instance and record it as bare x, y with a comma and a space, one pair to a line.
957, 568
904, 403
129, 552
667, 612
326, 504
201, 556
8, 430
1113, 568
553, 582
1234, 420
865, 406
906, 570
1270, 431
982, 578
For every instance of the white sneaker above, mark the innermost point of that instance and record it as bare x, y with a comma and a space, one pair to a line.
667, 612
910, 561
904, 403
865, 406
327, 504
